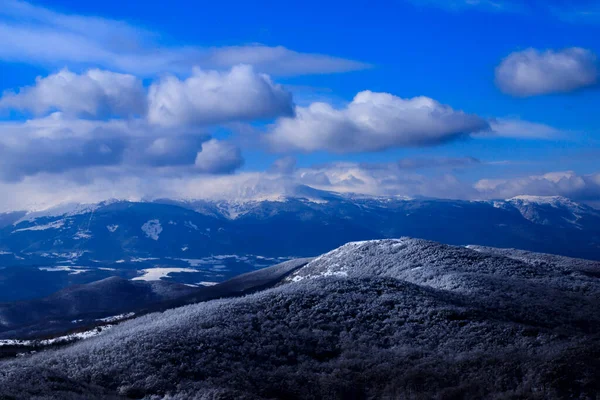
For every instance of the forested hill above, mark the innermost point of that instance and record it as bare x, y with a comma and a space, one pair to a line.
400, 318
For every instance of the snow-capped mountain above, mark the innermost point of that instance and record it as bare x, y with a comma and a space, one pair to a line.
310, 223
398, 318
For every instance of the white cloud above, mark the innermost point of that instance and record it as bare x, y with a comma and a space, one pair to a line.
385, 179
204, 98
46, 190
209, 97
276, 60
533, 72
516, 128
392, 178
168, 136
58, 144
95, 93
47, 155
218, 157
164, 150
567, 183
38, 35
130, 182
372, 122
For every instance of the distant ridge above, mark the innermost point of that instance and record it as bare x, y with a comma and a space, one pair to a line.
306, 223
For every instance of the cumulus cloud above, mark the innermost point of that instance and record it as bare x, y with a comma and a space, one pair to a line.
169, 136
164, 150
39, 35
372, 122
47, 155
209, 97
218, 157
533, 72
206, 97
57, 144
95, 93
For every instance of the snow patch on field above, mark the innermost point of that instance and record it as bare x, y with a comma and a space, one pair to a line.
52, 225
217, 260
191, 225
116, 318
82, 235
70, 257
67, 338
64, 268
156, 274
65, 210
195, 262
152, 229
141, 259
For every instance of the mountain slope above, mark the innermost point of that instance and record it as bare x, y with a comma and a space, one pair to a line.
84, 305
380, 319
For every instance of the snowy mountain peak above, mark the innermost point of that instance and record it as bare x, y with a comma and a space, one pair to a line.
394, 258
554, 201
64, 210
439, 266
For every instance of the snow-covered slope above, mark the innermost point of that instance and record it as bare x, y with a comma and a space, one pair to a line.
399, 318
460, 269
82, 305
551, 210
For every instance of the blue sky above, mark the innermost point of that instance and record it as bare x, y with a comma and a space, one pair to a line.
466, 99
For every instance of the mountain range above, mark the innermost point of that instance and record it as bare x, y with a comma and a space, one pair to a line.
202, 243
119, 231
